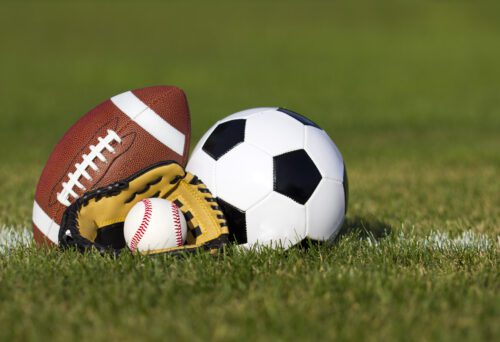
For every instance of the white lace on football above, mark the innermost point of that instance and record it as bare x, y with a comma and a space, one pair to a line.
96, 152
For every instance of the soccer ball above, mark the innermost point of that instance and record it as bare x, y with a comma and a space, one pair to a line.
278, 177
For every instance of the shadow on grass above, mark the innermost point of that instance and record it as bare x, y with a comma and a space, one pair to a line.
362, 227
365, 227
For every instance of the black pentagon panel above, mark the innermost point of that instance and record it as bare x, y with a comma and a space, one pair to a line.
295, 175
298, 117
345, 182
236, 222
224, 138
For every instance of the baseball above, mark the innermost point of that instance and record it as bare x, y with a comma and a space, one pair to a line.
154, 224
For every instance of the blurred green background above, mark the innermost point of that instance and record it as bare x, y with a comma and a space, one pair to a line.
408, 90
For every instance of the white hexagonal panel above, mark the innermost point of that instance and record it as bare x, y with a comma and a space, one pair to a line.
245, 113
276, 221
275, 132
203, 166
325, 210
324, 153
244, 176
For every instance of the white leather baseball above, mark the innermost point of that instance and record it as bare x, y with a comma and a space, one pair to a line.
153, 224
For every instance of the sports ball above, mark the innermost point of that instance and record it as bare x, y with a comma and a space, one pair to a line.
278, 177
153, 224
119, 137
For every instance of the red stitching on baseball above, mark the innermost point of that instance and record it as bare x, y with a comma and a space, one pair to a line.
177, 225
148, 211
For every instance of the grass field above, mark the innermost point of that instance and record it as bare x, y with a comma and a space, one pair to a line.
410, 94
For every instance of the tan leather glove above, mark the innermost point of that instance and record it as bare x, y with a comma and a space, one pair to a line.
95, 220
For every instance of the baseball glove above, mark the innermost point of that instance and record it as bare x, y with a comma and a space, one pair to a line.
95, 220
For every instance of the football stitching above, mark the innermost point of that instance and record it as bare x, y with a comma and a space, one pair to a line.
120, 130
177, 224
88, 161
61, 208
127, 143
111, 124
129, 122
146, 219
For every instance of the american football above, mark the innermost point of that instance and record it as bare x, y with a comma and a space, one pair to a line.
116, 139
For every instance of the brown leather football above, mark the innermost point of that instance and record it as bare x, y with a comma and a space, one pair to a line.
114, 140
